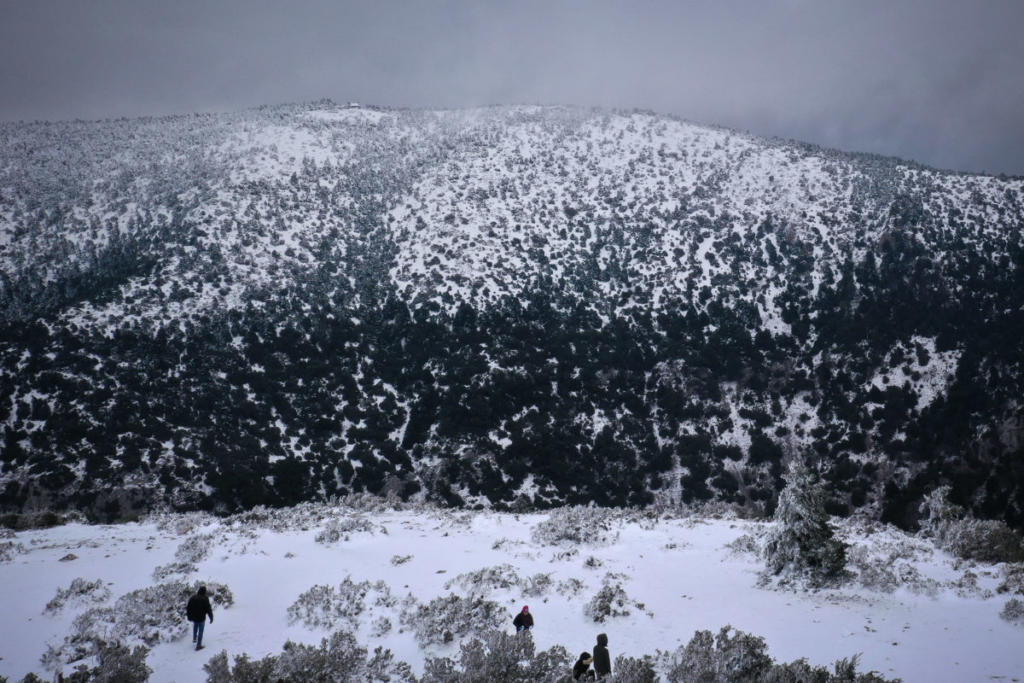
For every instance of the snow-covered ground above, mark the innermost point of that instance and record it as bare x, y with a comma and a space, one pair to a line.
681, 574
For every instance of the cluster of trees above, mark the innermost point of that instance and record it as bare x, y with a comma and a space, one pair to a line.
619, 341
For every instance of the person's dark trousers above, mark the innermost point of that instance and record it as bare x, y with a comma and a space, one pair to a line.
197, 632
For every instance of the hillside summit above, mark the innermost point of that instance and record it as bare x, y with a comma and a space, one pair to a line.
511, 307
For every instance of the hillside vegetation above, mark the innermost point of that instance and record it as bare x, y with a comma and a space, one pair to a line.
513, 307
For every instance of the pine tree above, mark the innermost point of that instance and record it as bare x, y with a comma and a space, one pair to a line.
803, 545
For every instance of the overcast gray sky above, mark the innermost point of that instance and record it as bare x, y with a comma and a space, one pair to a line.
936, 81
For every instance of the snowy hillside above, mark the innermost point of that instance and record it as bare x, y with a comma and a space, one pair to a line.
401, 577
510, 307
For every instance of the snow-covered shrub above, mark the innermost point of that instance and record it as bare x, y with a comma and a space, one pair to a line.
165, 571
744, 545
484, 581
802, 546
588, 525
338, 659
885, 574
563, 555
593, 563
156, 614
219, 670
37, 520
339, 528
9, 549
400, 559
967, 586
451, 617
149, 615
194, 549
80, 591
730, 656
1013, 611
29, 678
500, 656
380, 627
180, 523
1013, 579
937, 512
843, 671
570, 588
315, 607
536, 586
116, 663
633, 670
737, 657
322, 606
610, 601
983, 540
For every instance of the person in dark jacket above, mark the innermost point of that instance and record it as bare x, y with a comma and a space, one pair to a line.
581, 669
197, 610
523, 620
602, 662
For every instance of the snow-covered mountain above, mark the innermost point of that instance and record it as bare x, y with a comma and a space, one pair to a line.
509, 306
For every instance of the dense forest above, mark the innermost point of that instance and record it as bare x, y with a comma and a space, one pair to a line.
508, 307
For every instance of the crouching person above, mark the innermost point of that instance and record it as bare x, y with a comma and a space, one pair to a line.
523, 620
581, 670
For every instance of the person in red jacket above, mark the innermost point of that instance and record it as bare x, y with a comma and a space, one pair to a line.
197, 610
523, 620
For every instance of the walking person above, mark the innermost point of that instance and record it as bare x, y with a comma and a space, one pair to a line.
523, 620
602, 661
197, 610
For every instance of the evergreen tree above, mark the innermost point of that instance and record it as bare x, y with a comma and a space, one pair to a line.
803, 545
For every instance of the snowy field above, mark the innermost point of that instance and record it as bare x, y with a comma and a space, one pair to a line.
911, 611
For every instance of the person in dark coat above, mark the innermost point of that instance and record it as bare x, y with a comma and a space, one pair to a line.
523, 620
197, 610
602, 662
581, 669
